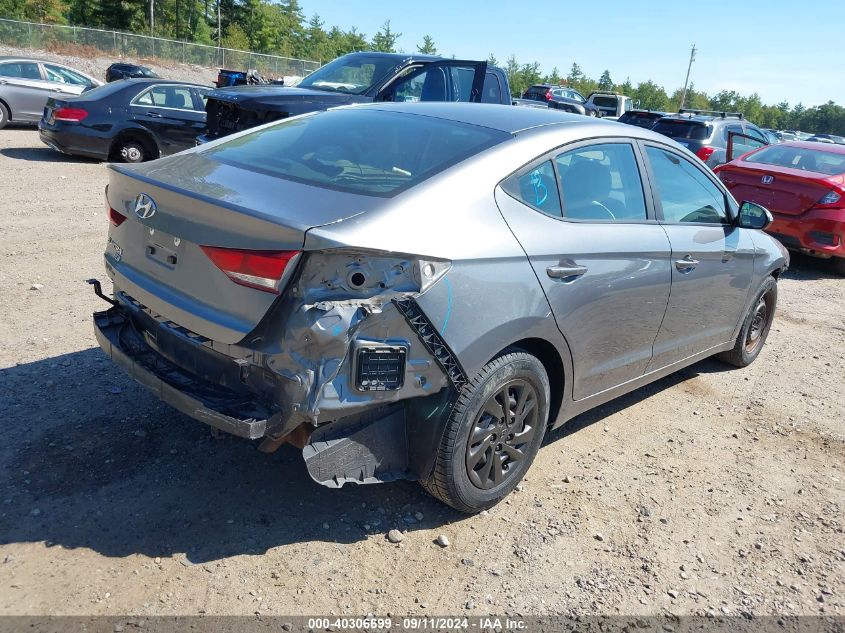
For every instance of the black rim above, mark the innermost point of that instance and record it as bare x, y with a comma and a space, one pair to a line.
759, 323
501, 434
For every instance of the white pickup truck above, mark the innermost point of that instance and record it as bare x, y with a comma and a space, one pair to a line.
611, 104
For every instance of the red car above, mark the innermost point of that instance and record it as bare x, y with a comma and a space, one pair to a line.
803, 185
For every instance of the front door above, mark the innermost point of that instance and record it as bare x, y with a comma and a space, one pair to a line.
712, 260
451, 80
23, 89
599, 254
170, 112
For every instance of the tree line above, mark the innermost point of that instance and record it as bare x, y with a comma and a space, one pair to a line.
281, 28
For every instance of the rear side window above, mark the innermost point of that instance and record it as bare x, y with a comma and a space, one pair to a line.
363, 151
686, 193
21, 70
828, 163
536, 188
601, 182
692, 130
492, 91
174, 97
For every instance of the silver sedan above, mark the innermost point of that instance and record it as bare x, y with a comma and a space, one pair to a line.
26, 84
422, 290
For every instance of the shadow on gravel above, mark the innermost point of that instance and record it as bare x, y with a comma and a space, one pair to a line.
42, 155
580, 422
805, 268
90, 459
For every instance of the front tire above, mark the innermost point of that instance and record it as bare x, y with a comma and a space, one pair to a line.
755, 327
493, 433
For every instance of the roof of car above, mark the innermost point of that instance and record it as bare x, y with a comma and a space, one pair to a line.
505, 118
138, 81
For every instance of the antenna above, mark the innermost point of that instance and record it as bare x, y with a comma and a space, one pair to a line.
686, 81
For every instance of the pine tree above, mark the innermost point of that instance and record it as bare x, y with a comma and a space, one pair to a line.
385, 39
428, 47
605, 82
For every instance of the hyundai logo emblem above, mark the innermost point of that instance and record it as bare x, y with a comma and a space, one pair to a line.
145, 207
767, 180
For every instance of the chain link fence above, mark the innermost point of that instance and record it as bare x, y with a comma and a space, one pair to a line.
119, 44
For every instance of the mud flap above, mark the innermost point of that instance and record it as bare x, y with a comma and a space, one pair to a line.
365, 449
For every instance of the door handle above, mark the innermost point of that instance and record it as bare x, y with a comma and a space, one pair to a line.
687, 264
153, 114
562, 272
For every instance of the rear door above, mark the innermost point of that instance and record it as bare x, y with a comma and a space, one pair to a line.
172, 112
602, 259
23, 88
712, 260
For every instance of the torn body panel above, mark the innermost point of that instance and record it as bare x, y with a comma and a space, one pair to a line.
327, 353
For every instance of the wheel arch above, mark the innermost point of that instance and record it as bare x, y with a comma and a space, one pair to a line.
138, 134
8, 108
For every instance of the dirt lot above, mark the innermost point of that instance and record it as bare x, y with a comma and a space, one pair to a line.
711, 491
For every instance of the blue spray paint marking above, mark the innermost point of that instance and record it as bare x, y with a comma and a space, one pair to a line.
336, 330
541, 192
448, 305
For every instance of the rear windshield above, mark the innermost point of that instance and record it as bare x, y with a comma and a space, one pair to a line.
642, 119
605, 102
692, 130
537, 93
821, 162
362, 151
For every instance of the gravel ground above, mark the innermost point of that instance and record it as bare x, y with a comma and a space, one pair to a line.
713, 490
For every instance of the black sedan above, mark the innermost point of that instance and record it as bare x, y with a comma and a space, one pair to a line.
132, 120
120, 70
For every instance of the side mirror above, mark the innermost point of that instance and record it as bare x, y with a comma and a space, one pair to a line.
753, 216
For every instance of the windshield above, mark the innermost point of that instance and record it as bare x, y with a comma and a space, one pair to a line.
674, 128
820, 162
371, 152
352, 74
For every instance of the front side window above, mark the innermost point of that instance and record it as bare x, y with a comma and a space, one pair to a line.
65, 76
686, 194
537, 188
20, 70
357, 150
601, 182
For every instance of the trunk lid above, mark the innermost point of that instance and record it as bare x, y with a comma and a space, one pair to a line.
158, 261
782, 190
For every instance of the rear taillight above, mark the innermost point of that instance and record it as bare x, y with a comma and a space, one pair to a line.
115, 217
705, 152
549, 95
72, 115
262, 270
831, 197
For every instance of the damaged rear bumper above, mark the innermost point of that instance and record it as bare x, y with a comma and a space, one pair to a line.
205, 401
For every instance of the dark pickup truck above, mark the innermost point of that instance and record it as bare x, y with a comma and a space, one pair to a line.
356, 78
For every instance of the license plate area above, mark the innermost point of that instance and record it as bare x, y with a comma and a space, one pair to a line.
162, 249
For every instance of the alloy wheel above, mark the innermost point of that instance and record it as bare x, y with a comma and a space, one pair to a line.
759, 322
501, 433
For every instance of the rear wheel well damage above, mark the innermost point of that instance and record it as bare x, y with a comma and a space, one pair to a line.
546, 353
139, 136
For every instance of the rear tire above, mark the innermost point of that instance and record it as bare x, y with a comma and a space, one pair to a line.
493, 433
755, 327
4, 116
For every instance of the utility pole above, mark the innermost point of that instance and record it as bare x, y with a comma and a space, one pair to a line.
152, 18
686, 81
219, 22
